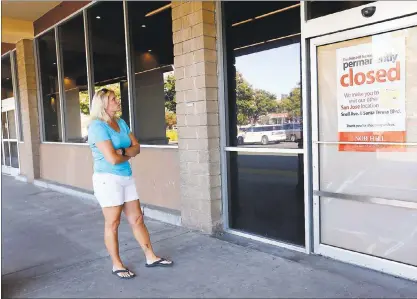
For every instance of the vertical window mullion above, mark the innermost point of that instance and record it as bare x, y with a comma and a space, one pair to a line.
89, 57
129, 67
61, 88
39, 92
8, 138
2, 150
18, 118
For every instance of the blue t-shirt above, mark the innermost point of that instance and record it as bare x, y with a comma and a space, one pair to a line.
100, 131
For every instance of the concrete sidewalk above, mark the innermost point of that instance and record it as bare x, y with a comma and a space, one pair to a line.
52, 246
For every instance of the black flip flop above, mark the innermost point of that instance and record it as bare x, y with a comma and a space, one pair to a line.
160, 263
123, 271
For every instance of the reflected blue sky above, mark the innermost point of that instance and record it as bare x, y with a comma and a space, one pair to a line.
276, 70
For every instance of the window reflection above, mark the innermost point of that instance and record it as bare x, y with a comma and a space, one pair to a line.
153, 58
2, 155
50, 93
6, 78
264, 75
17, 99
14, 155
75, 79
109, 53
11, 126
6, 150
4, 131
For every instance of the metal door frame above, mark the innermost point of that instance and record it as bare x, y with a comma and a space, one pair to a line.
376, 263
15, 105
224, 149
9, 169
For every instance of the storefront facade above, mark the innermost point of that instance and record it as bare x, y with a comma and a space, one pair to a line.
291, 123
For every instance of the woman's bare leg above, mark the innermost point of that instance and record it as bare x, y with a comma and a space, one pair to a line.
135, 218
111, 229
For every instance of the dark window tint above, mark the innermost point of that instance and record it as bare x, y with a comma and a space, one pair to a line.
77, 106
316, 9
152, 49
109, 51
267, 197
14, 156
6, 78
49, 81
6, 150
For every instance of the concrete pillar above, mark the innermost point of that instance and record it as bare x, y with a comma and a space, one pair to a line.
194, 35
29, 149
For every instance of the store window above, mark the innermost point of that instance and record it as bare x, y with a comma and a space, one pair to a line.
74, 68
107, 38
264, 75
17, 97
49, 87
152, 55
6, 78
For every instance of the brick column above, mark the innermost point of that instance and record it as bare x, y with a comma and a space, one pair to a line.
194, 34
29, 149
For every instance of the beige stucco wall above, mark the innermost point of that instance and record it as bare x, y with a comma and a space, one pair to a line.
156, 171
157, 175
14, 30
67, 164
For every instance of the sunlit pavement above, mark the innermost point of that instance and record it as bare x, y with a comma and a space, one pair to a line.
52, 247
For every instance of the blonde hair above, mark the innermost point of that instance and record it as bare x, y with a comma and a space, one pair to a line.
99, 104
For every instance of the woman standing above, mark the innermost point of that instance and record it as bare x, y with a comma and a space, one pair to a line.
113, 144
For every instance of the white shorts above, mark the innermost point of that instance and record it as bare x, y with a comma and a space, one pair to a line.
114, 190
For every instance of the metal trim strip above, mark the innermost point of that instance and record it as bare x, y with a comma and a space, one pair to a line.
369, 199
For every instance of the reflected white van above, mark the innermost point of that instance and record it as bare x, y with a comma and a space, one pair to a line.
262, 134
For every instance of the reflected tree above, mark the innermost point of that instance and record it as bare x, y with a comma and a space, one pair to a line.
292, 103
252, 104
170, 119
85, 99
169, 89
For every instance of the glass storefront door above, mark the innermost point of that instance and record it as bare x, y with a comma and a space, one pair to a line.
9, 119
10, 156
264, 121
364, 119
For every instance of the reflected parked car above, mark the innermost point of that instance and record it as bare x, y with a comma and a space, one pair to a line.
293, 131
241, 136
261, 134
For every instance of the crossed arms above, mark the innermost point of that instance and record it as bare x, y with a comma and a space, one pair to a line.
115, 156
